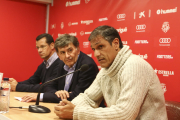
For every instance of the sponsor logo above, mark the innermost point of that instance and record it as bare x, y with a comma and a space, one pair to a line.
74, 23
87, 22
90, 55
163, 87
86, 1
164, 72
85, 44
170, 41
143, 56
161, 11
141, 28
121, 17
53, 26
165, 27
141, 42
62, 25
121, 30
164, 41
59, 34
125, 42
164, 56
103, 19
86, 33
73, 34
82, 33
68, 3
142, 14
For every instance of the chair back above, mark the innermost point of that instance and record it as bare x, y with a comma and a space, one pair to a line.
173, 110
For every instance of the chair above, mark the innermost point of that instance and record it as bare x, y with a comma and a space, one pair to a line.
173, 110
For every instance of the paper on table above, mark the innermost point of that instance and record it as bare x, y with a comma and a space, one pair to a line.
18, 98
2, 117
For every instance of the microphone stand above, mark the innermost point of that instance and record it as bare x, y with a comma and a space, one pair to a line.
41, 109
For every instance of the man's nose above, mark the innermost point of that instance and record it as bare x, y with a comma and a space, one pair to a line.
67, 54
96, 53
39, 50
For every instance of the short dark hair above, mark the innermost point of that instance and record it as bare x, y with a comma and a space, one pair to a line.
64, 40
49, 38
107, 32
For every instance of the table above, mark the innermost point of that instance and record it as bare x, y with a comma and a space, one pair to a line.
24, 114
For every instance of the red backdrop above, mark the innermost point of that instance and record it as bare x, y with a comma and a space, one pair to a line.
20, 23
149, 27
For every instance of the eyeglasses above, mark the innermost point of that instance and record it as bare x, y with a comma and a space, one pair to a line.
41, 47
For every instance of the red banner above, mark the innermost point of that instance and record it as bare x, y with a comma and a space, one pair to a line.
149, 27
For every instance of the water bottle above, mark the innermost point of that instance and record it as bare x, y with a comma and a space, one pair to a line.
5, 96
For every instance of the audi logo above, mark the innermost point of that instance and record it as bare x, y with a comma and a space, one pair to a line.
140, 27
119, 16
165, 40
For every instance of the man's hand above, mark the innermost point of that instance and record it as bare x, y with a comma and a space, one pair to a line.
29, 97
13, 84
64, 109
62, 94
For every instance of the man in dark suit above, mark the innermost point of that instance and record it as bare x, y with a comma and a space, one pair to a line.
47, 70
67, 48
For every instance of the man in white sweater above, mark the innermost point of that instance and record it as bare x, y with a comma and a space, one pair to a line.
126, 82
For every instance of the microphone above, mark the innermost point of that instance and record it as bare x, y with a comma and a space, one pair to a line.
41, 109
21, 107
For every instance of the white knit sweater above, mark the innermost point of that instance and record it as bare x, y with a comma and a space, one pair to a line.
130, 88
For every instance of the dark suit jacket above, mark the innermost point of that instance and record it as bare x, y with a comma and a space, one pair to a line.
80, 80
40, 76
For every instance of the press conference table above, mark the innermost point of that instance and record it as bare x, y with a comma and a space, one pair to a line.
24, 114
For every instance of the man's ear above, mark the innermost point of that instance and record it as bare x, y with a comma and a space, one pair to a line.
52, 45
115, 43
78, 49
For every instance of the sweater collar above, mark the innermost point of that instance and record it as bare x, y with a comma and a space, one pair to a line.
119, 61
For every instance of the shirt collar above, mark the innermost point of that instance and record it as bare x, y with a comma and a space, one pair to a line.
49, 62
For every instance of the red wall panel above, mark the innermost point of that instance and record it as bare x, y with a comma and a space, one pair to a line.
150, 27
20, 23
